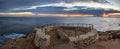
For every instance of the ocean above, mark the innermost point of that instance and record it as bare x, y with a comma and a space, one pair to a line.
13, 27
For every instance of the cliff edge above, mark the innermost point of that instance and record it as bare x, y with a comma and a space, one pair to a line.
107, 40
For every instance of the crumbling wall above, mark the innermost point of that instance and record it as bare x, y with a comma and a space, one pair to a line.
41, 39
52, 37
45, 41
86, 42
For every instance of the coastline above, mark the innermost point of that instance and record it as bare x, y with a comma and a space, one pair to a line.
108, 40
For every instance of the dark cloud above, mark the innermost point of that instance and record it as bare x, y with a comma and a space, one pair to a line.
9, 4
99, 1
50, 9
6, 5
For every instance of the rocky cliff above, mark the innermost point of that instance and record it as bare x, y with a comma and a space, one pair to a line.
108, 40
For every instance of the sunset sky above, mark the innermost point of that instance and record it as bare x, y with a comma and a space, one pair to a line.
59, 7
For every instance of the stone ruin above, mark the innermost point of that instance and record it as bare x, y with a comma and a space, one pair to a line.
65, 36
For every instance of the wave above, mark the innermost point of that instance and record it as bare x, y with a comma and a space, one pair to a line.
13, 35
7, 37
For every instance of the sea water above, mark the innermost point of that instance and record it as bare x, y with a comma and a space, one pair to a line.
12, 27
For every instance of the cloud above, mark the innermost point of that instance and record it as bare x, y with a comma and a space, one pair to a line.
67, 5
6, 5
115, 2
71, 6
9, 4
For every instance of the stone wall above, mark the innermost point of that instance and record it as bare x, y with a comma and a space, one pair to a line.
87, 41
50, 37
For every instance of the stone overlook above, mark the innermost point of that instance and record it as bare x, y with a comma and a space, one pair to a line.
65, 36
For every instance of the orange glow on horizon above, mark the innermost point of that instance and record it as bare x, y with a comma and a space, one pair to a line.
18, 13
105, 14
114, 13
30, 14
111, 14
39, 14
66, 15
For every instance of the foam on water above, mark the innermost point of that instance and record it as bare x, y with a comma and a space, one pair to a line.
13, 35
7, 37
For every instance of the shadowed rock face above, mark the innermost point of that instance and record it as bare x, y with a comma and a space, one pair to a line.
27, 42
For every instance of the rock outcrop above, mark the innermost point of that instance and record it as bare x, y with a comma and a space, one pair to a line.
25, 42
107, 40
